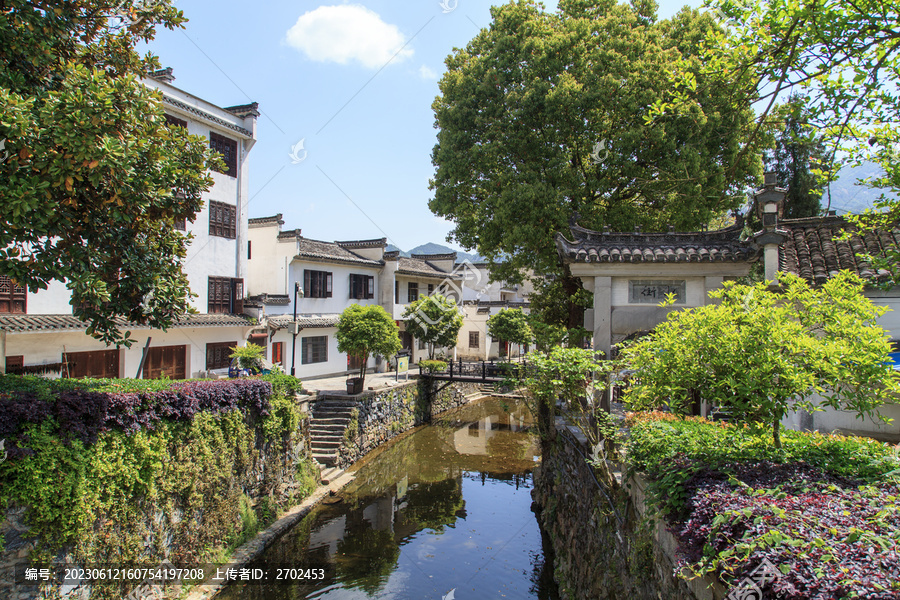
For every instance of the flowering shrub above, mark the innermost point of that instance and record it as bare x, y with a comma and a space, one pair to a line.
84, 413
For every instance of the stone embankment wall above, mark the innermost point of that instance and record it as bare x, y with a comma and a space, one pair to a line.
605, 543
387, 413
170, 528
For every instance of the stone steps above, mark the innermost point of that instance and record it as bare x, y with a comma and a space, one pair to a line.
326, 429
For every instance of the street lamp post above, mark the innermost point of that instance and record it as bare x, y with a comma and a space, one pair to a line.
295, 330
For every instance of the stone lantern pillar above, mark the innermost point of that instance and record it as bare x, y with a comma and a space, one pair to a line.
770, 207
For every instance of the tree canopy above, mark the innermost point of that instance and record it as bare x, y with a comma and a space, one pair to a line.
843, 55
92, 179
761, 354
797, 152
434, 319
366, 330
511, 325
543, 116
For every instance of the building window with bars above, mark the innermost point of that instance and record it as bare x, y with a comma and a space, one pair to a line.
225, 295
227, 147
314, 349
218, 355
473, 339
222, 219
12, 296
412, 291
362, 287
317, 284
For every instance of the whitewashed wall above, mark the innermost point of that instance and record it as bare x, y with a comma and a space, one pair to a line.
43, 348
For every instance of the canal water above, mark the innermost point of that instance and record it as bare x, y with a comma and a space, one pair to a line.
442, 513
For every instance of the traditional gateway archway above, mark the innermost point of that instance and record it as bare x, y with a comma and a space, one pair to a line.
631, 273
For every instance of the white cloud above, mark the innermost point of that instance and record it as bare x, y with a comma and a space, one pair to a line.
345, 34
427, 73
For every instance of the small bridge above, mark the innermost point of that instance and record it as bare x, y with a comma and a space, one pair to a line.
483, 371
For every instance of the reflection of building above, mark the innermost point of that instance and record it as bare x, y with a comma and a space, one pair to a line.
474, 438
38, 332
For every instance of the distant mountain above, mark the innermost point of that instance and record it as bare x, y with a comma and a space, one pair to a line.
849, 197
432, 248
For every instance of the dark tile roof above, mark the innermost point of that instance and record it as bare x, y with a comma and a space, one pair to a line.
445, 256
307, 321
422, 268
379, 243
332, 252
704, 246
263, 221
27, 323
164, 75
267, 299
207, 116
244, 110
813, 252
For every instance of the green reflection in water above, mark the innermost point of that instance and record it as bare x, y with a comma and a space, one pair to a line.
447, 506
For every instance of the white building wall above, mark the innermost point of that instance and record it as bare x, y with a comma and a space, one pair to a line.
335, 365
340, 291
270, 261
43, 348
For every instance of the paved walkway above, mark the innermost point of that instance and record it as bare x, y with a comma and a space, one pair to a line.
376, 381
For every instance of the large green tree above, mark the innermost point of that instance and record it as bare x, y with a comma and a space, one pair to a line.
543, 116
91, 179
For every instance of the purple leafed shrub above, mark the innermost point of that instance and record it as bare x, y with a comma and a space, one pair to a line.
828, 537
83, 414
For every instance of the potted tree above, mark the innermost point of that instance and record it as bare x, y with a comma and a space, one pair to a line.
363, 331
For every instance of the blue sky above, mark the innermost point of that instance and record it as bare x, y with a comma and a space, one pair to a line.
354, 81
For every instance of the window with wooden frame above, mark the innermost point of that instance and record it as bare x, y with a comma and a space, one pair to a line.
412, 292
218, 355
222, 219
227, 147
225, 295
317, 284
15, 364
362, 287
430, 289
396, 292
314, 349
175, 121
12, 296
474, 339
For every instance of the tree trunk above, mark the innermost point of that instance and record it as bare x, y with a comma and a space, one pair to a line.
776, 432
572, 285
362, 368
